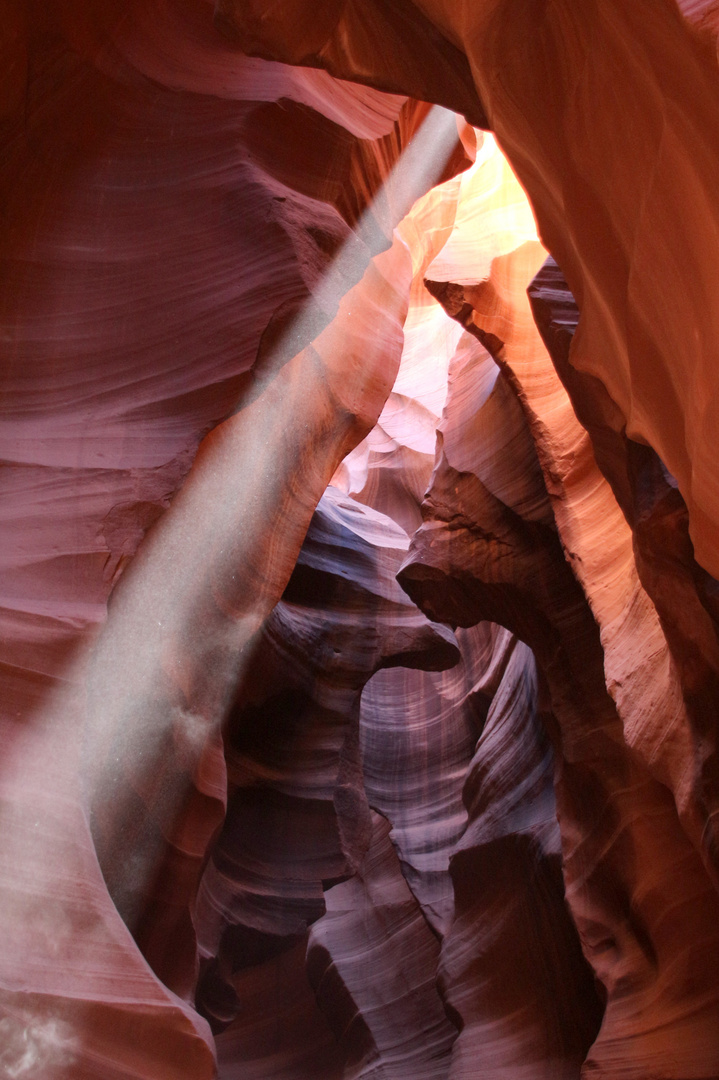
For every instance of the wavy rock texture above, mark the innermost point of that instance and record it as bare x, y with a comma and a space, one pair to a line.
269, 816
684, 595
479, 527
418, 735
418, 732
488, 550
539, 75
147, 247
297, 813
298, 820
372, 961
512, 967
668, 733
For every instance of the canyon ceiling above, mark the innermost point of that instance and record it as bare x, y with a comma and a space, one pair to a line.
360, 498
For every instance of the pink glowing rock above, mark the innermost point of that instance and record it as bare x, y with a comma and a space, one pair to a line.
297, 814
626, 252
488, 554
214, 306
134, 315
372, 961
298, 820
485, 550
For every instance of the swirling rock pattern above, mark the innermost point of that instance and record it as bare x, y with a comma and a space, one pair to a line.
488, 549
418, 734
297, 813
214, 304
683, 593
512, 967
373, 963
132, 314
298, 820
537, 74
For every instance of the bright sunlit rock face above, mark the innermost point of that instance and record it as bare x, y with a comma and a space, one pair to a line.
359, 634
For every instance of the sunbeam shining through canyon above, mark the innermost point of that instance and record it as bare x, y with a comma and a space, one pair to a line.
358, 585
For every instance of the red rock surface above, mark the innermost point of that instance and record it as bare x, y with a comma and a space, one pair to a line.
131, 314
278, 416
596, 164
488, 549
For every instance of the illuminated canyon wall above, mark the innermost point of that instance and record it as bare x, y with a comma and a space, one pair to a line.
359, 613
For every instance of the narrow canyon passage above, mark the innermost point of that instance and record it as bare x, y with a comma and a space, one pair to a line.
359, 626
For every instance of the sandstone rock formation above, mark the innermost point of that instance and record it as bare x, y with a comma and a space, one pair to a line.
488, 549
595, 163
358, 604
141, 374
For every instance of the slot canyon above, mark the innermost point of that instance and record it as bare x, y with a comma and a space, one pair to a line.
359, 600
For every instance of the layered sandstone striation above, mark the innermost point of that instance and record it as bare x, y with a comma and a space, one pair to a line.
358, 626
684, 595
132, 318
479, 527
602, 170
298, 822
488, 551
